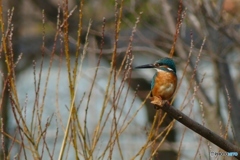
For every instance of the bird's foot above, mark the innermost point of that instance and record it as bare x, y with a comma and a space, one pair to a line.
158, 102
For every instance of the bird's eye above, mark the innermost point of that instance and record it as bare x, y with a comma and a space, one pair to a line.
157, 65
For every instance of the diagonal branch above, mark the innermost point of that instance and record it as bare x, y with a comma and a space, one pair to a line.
198, 128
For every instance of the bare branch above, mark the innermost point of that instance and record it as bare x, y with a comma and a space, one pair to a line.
198, 128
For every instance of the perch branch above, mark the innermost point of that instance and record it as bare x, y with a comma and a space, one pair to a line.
196, 127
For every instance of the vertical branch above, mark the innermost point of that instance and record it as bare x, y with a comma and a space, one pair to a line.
78, 41
5, 92
86, 110
72, 105
113, 71
118, 19
66, 47
94, 79
227, 81
1, 17
179, 21
71, 86
10, 90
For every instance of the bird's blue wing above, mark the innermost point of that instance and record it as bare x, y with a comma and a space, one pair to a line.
153, 80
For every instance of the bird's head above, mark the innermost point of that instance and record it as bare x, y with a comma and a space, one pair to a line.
165, 64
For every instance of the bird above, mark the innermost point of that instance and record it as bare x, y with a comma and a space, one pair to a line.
164, 82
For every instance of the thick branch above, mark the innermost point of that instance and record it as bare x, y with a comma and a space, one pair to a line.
198, 128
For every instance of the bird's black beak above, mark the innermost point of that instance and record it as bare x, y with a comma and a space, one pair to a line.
145, 66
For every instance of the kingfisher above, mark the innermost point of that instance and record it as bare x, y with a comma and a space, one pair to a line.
164, 81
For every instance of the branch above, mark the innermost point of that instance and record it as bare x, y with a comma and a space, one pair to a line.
196, 127
227, 81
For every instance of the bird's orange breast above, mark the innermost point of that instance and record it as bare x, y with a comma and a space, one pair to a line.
165, 85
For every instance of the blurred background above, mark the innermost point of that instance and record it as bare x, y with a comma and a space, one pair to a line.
208, 41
